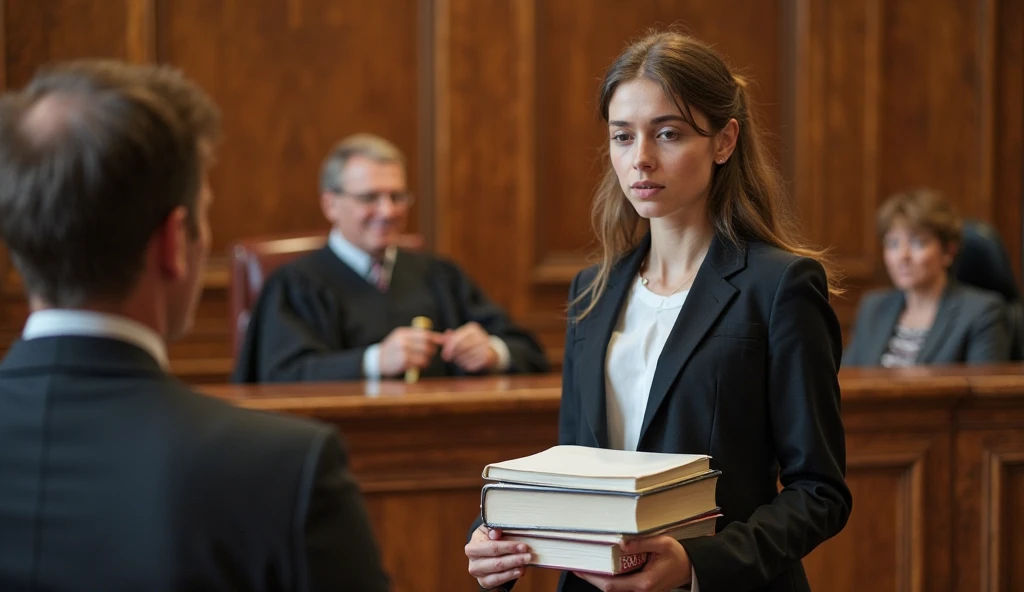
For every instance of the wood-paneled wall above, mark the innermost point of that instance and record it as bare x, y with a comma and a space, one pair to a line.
494, 104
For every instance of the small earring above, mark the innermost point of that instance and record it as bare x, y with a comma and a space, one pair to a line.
721, 161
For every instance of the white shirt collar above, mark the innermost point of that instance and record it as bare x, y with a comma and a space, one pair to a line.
57, 322
359, 260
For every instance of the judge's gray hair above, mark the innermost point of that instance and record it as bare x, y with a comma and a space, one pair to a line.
365, 145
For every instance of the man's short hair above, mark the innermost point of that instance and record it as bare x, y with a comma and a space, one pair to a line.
94, 155
365, 145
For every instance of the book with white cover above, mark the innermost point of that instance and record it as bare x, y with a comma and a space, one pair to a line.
600, 553
513, 505
599, 469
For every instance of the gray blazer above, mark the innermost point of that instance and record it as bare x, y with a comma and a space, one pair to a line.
970, 327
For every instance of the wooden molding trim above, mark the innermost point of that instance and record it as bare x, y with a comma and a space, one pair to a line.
216, 276
561, 268
419, 485
910, 507
998, 461
558, 268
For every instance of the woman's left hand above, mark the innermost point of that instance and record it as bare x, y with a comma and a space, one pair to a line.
668, 567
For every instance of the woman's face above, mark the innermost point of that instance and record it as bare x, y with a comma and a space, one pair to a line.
915, 258
663, 165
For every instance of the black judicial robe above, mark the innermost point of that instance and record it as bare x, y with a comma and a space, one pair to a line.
316, 316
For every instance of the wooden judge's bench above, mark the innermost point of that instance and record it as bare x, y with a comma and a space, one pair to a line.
935, 462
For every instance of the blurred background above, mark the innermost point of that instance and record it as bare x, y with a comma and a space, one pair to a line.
494, 103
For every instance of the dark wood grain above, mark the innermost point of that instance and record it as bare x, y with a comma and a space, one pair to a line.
37, 32
576, 42
493, 102
293, 78
482, 84
418, 451
989, 486
1004, 61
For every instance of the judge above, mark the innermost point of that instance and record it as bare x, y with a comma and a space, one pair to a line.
344, 312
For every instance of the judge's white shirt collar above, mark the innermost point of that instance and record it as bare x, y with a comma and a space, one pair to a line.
56, 322
356, 258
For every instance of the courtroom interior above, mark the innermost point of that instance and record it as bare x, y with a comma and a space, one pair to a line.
402, 249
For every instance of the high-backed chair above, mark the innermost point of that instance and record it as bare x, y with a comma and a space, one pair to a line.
984, 263
254, 259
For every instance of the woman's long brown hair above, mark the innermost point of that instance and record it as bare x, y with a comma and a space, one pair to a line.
746, 198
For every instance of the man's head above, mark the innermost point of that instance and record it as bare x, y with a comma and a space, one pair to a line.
363, 192
103, 191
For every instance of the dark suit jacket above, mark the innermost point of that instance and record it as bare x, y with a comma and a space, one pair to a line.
316, 316
115, 476
748, 376
970, 327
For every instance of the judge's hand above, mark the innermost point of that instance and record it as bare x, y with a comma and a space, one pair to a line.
405, 348
469, 347
493, 561
668, 567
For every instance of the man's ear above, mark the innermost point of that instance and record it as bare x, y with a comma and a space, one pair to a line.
328, 205
172, 245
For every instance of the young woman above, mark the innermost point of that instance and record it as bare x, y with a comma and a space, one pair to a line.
706, 328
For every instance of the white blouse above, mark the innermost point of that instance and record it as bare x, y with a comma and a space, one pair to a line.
633, 352
639, 336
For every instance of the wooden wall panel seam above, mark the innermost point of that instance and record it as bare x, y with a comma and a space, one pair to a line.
3, 65
427, 195
819, 58
141, 31
805, 144
873, 51
442, 124
524, 237
988, 28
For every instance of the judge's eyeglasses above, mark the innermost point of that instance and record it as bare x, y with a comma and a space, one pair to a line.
372, 198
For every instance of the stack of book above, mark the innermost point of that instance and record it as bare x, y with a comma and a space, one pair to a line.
573, 505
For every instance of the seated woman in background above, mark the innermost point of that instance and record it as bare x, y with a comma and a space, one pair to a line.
929, 319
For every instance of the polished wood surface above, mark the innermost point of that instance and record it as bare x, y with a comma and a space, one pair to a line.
494, 104
935, 460
418, 451
396, 398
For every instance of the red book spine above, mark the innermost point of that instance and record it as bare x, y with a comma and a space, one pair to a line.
632, 562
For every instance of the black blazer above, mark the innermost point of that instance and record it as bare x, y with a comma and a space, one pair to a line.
748, 375
970, 327
117, 477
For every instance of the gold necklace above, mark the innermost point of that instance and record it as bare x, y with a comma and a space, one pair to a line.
644, 280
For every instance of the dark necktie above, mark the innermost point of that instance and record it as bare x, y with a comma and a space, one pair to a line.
378, 276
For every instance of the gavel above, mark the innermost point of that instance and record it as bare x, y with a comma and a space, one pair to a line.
412, 375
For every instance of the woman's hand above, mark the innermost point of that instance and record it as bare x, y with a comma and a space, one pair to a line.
668, 567
493, 561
